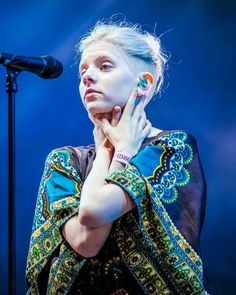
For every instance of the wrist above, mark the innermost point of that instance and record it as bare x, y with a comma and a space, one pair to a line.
107, 153
103, 155
126, 149
115, 167
122, 156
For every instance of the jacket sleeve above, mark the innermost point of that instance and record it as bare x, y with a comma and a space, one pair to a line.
58, 200
167, 183
171, 166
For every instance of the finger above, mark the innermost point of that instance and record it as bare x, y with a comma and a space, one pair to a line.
147, 129
130, 105
140, 99
143, 121
97, 131
139, 109
106, 126
116, 114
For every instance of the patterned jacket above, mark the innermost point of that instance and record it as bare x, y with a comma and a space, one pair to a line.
160, 247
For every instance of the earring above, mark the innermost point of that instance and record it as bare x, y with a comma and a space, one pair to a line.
143, 83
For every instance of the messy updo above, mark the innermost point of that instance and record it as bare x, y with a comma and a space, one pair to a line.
144, 48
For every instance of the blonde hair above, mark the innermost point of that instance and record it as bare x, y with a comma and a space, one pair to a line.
144, 47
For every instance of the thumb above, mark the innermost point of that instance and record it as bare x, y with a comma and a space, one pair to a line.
106, 126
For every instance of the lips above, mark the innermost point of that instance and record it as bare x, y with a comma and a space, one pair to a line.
88, 91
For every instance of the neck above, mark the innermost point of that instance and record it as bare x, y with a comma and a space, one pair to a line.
104, 115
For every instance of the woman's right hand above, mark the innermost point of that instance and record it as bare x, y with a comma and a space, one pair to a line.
100, 139
132, 128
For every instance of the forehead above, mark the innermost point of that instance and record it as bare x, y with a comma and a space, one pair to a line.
102, 49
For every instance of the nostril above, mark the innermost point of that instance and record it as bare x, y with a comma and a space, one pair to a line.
87, 80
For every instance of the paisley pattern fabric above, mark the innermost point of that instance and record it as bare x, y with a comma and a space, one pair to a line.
106, 273
152, 249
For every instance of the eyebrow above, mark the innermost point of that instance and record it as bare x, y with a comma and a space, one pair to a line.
96, 59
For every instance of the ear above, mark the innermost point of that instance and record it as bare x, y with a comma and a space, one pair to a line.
145, 83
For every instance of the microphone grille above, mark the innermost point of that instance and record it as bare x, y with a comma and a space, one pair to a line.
52, 69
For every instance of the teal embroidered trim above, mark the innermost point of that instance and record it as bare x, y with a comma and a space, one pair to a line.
58, 200
172, 172
61, 160
130, 180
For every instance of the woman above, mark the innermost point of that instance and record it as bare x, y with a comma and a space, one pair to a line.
122, 216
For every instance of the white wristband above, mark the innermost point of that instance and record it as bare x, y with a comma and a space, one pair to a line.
122, 157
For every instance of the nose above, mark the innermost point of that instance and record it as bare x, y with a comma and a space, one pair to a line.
87, 80
89, 77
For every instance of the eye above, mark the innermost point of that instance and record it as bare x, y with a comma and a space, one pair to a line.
81, 73
105, 66
82, 70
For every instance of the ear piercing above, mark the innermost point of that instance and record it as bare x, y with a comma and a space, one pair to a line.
143, 83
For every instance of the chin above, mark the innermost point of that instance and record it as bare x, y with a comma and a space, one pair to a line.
99, 110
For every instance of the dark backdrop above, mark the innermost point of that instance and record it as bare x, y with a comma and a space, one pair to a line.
198, 96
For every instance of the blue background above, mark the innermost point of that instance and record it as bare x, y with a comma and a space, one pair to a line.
198, 96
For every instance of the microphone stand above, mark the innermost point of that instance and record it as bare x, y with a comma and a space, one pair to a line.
46, 67
11, 89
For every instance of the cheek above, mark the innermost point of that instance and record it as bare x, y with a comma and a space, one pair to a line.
80, 89
122, 87
81, 92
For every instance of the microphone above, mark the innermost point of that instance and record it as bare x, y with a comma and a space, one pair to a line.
44, 66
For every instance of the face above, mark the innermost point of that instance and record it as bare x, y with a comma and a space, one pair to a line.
104, 68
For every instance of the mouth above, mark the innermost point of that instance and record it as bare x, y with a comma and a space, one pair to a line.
90, 92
